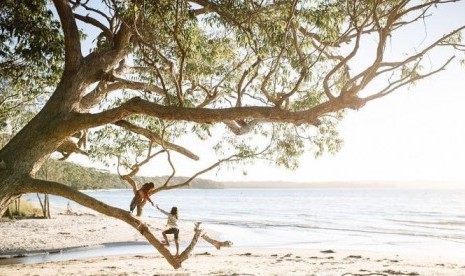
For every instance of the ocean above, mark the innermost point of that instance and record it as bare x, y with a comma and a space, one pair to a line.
394, 220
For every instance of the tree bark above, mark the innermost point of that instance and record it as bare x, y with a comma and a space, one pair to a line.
68, 109
8, 194
30, 185
215, 243
30, 148
59, 119
47, 206
42, 207
41, 186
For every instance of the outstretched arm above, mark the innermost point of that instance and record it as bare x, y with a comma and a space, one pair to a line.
148, 198
161, 210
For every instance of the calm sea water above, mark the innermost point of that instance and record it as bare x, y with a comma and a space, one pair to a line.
362, 219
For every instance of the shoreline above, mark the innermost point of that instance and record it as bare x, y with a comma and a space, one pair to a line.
246, 262
83, 232
51, 251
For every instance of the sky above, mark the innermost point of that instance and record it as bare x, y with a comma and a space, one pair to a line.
412, 135
415, 134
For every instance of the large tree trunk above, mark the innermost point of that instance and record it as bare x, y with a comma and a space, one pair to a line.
26, 152
7, 194
59, 119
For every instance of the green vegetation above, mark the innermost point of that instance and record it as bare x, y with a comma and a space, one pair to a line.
135, 81
22, 208
84, 178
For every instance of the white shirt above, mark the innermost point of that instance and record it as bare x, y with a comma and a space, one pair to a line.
172, 221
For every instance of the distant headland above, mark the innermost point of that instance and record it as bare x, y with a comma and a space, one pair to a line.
84, 178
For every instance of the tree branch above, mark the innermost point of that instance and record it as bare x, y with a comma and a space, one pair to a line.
73, 55
68, 146
31, 185
187, 182
155, 138
136, 167
396, 64
241, 129
199, 233
206, 115
404, 81
94, 22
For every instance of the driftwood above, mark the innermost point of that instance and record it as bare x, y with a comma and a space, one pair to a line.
199, 233
216, 243
176, 261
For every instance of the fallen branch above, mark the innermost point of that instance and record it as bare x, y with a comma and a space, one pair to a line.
199, 233
216, 243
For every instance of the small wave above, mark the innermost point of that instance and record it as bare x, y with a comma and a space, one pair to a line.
423, 222
367, 230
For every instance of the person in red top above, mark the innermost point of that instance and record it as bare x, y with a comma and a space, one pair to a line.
142, 196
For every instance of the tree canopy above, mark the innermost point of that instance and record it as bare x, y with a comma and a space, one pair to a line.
30, 60
125, 81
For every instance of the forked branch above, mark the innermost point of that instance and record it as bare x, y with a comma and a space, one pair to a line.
156, 138
199, 233
31, 185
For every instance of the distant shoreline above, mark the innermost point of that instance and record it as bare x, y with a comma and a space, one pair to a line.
346, 184
323, 185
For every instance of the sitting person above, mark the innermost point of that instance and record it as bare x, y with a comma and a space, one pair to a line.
141, 197
172, 227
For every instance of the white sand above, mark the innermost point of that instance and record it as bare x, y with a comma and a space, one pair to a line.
67, 231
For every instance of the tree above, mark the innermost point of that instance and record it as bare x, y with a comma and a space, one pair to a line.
45, 173
271, 78
30, 61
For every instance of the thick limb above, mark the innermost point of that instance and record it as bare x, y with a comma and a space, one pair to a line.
31, 185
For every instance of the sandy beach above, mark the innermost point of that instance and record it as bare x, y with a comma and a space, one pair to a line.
36, 236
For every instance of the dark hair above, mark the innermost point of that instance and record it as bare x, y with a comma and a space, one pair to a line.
147, 186
174, 211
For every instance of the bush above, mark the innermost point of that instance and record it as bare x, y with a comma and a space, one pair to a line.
23, 208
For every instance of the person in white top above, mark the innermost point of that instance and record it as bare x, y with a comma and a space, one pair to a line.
172, 226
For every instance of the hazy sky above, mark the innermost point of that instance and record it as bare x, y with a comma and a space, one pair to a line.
417, 134
414, 134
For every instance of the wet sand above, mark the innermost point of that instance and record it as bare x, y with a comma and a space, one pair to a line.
88, 230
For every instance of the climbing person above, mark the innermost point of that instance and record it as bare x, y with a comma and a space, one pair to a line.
172, 227
142, 196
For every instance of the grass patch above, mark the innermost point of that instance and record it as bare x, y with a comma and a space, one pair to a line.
23, 209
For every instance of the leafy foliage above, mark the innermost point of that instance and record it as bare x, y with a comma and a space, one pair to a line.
31, 53
293, 56
204, 58
261, 80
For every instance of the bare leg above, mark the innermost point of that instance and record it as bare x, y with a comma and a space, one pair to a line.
166, 239
177, 246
